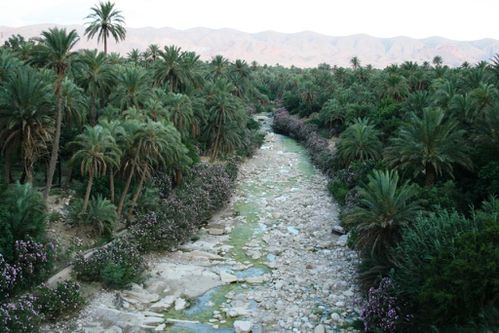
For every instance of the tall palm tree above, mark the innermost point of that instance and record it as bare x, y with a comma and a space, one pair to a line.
105, 21
355, 62
429, 145
152, 52
134, 56
385, 207
95, 75
239, 75
25, 118
219, 67
359, 142
96, 151
116, 130
55, 50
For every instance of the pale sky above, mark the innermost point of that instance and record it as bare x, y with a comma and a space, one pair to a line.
460, 19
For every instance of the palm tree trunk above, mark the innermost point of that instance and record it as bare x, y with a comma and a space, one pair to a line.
430, 176
93, 110
125, 191
89, 189
178, 177
55, 144
105, 43
139, 189
111, 184
7, 166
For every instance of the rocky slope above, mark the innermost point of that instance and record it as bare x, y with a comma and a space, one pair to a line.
304, 49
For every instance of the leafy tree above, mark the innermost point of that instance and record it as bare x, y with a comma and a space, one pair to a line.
26, 122
105, 21
429, 145
96, 150
359, 142
385, 208
132, 90
95, 76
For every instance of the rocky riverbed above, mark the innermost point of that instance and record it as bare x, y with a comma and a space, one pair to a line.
267, 263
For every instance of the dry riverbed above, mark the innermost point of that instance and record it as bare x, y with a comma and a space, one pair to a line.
266, 263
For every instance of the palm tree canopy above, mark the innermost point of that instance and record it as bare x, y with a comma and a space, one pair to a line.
359, 142
106, 21
55, 49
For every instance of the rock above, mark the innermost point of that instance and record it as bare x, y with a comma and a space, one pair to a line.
320, 329
160, 328
153, 320
216, 230
163, 304
257, 279
342, 240
236, 312
293, 230
338, 230
243, 326
180, 304
336, 317
139, 297
340, 304
228, 278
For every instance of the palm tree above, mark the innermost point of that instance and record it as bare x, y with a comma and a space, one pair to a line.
385, 207
437, 61
429, 145
151, 145
170, 69
134, 56
359, 142
25, 118
180, 112
219, 67
95, 76
355, 62
132, 89
152, 53
226, 115
239, 74
116, 130
55, 50
106, 21
96, 150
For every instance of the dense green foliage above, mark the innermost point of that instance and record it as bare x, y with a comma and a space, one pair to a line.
428, 258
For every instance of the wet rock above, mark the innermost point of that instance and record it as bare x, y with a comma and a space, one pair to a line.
163, 304
342, 240
180, 304
228, 278
243, 326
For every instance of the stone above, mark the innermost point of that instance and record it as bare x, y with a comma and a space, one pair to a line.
160, 328
216, 230
163, 304
342, 240
243, 326
335, 317
338, 230
180, 304
320, 329
227, 277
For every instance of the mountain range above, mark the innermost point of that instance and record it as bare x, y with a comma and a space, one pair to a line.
303, 49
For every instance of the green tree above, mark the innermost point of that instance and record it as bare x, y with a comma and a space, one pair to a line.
95, 75
96, 151
105, 21
26, 122
429, 145
385, 207
55, 51
359, 142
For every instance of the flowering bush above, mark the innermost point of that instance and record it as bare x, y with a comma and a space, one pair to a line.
206, 190
32, 262
116, 265
19, 316
383, 309
53, 303
318, 147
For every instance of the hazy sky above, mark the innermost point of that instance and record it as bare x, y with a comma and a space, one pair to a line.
460, 19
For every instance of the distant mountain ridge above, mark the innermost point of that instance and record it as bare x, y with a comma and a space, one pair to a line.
303, 49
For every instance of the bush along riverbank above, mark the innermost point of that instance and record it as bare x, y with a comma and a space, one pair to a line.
420, 269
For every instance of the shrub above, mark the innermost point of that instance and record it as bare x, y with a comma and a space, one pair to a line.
22, 216
385, 208
19, 316
65, 298
116, 265
383, 309
338, 190
448, 266
101, 215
